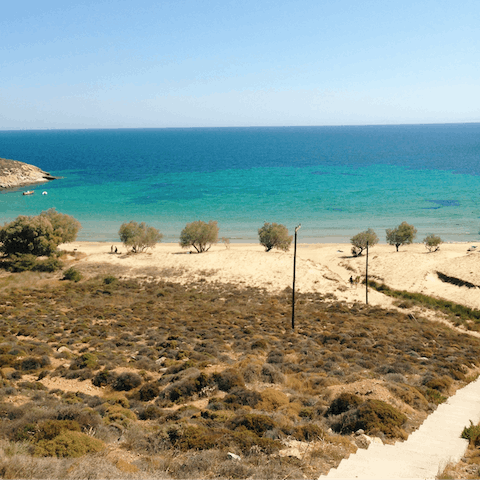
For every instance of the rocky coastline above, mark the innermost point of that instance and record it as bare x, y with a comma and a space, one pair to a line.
14, 174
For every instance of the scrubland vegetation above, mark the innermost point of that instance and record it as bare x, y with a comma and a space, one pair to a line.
459, 314
469, 464
179, 378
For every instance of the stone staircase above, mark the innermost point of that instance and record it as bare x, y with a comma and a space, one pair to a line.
426, 451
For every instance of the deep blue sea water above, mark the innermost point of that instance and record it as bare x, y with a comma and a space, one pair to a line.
335, 181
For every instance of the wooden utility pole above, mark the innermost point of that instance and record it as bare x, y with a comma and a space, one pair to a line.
366, 278
297, 228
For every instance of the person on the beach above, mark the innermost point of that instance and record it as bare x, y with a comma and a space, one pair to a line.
116, 250
351, 281
111, 249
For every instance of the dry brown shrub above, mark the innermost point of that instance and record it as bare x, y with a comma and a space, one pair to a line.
410, 395
343, 403
228, 379
272, 400
271, 374
374, 417
442, 384
126, 467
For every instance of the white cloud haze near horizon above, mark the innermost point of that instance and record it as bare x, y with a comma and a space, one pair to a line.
185, 63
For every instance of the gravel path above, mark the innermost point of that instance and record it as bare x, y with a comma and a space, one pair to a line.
426, 451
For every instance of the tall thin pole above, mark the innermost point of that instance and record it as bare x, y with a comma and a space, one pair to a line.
366, 278
297, 228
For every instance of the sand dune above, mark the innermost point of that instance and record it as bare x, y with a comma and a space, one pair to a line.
323, 268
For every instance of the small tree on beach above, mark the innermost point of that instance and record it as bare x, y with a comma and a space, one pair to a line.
139, 236
199, 235
360, 240
432, 242
401, 235
40, 235
274, 235
65, 227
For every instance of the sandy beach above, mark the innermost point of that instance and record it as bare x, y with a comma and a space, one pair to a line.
323, 268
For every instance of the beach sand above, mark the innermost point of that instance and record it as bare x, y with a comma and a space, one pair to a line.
322, 268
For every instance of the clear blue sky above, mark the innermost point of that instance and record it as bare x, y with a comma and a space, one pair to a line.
194, 63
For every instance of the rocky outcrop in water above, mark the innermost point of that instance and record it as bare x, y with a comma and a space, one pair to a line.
15, 174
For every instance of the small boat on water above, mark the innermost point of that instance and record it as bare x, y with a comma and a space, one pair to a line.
28, 192
44, 193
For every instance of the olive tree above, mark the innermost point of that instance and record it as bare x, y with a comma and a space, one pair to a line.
274, 235
139, 236
432, 242
404, 234
38, 235
360, 240
199, 235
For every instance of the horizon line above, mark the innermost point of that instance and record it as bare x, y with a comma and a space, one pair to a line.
241, 127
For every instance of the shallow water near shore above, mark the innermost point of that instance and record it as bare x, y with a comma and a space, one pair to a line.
335, 181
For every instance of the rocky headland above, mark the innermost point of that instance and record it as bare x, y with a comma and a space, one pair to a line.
15, 174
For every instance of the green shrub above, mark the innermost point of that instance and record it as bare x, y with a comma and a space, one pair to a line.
241, 396
472, 434
86, 417
274, 235
109, 279
442, 384
85, 360
343, 403
21, 263
28, 262
150, 412
228, 379
409, 395
68, 444
245, 440
103, 378
49, 429
202, 438
51, 264
33, 363
372, 416
186, 387
256, 423
148, 392
199, 235
434, 396
193, 438
72, 274
116, 414
127, 381
308, 433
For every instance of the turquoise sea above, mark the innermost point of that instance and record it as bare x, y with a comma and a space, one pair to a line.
335, 181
